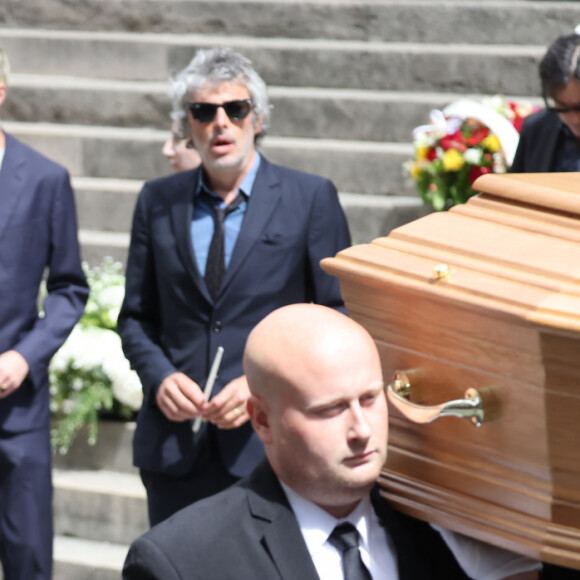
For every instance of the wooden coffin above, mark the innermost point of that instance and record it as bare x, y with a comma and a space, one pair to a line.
482, 301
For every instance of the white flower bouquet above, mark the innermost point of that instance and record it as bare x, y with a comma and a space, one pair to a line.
89, 375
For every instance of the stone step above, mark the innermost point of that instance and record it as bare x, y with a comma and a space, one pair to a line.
82, 559
131, 153
478, 21
105, 209
372, 65
105, 206
99, 505
387, 116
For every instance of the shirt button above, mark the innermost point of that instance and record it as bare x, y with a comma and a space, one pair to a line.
217, 327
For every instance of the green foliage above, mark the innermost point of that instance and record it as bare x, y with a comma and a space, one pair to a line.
83, 371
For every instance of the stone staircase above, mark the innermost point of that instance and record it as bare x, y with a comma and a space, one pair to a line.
349, 79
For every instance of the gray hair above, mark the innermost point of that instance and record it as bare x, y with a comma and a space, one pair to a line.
215, 66
4, 67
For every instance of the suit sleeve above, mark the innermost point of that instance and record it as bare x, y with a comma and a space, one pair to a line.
519, 163
328, 234
139, 322
145, 561
67, 287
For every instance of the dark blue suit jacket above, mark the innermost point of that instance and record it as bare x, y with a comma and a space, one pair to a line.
249, 531
169, 322
38, 230
538, 143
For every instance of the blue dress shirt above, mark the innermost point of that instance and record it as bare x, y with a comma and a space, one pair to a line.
203, 224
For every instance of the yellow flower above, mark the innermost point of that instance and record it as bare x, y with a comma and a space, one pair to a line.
414, 170
422, 153
492, 143
453, 160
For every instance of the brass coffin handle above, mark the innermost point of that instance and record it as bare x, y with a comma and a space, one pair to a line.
476, 406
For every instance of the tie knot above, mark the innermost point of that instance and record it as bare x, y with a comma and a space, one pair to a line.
222, 211
344, 537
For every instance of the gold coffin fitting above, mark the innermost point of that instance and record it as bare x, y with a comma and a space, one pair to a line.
477, 406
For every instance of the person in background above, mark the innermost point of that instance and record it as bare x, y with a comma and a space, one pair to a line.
313, 510
38, 238
213, 250
550, 139
179, 148
179, 151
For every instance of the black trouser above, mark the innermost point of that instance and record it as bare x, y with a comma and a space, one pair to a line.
167, 494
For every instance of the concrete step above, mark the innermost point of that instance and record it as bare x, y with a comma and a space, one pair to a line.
99, 505
125, 153
365, 115
105, 209
106, 206
478, 21
81, 559
372, 65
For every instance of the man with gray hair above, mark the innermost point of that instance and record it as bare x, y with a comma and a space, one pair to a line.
38, 234
214, 250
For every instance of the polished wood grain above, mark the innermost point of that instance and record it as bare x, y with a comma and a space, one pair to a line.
507, 318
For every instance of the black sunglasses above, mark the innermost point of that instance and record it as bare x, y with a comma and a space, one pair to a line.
551, 106
235, 110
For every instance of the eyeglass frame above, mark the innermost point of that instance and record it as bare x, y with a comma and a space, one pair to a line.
560, 110
195, 107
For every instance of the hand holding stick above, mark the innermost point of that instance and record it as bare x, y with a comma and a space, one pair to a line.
215, 365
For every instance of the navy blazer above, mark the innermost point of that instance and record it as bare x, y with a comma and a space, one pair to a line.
538, 143
38, 230
169, 322
249, 531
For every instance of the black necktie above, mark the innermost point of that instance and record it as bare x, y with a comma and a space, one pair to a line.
215, 266
345, 539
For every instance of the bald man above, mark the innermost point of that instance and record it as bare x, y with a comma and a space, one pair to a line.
318, 405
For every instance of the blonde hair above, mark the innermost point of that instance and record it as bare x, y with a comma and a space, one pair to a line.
4, 67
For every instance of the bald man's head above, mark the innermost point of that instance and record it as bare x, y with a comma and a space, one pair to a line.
295, 340
318, 402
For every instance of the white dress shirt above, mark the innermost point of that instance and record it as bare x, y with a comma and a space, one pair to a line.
376, 547
479, 561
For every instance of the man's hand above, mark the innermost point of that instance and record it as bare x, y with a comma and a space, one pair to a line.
13, 371
180, 398
227, 409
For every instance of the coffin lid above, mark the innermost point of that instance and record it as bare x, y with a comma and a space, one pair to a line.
513, 248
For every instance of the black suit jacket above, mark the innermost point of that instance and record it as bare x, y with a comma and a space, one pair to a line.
169, 322
249, 531
538, 143
38, 231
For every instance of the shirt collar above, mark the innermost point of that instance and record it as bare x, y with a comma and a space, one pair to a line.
317, 524
245, 187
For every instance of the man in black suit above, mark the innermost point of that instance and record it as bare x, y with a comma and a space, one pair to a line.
178, 307
38, 235
318, 405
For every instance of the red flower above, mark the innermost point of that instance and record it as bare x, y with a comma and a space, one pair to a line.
476, 171
431, 154
477, 136
453, 141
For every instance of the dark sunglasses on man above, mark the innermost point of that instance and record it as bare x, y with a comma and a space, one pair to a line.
553, 106
235, 110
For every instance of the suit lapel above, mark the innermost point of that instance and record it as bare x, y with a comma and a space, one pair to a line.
12, 179
278, 529
265, 196
181, 207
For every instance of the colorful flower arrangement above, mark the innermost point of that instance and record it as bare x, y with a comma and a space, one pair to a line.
90, 377
465, 140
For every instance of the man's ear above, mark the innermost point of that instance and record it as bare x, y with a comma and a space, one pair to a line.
2, 93
258, 412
